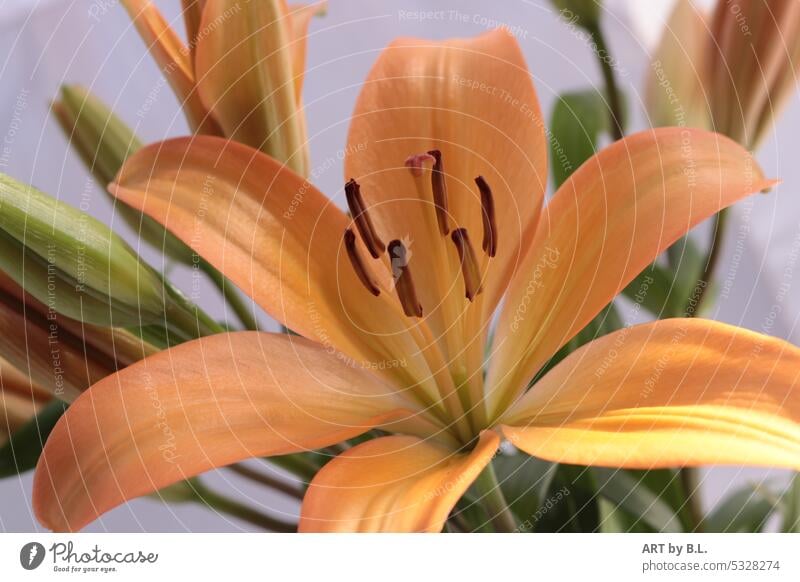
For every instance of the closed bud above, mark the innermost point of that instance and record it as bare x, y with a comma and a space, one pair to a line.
73, 263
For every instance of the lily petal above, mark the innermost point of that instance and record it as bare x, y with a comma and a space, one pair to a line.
300, 16
275, 236
174, 59
472, 99
392, 484
244, 75
678, 392
200, 405
605, 224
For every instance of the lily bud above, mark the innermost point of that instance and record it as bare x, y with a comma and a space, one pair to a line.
57, 354
752, 72
20, 400
104, 141
74, 263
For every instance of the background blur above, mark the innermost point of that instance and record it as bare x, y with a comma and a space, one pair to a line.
44, 43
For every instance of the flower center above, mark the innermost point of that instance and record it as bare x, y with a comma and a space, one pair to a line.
455, 355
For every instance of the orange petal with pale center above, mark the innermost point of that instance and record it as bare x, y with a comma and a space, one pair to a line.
605, 224
392, 484
278, 239
674, 393
473, 99
200, 405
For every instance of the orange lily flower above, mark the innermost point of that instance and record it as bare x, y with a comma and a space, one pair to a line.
20, 400
731, 71
241, 75
396, 305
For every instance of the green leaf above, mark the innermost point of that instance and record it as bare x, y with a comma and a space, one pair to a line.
577, 121
745, 511
525, 481
571, 504
790, 506
22, 451
638, 504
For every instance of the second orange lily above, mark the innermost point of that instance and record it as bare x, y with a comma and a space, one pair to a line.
448, 152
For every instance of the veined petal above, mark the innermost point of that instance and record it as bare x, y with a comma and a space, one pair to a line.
174, 59
392, 484
200, 405
679, 70
275, 236
474, 101
605, 224
244, 75
677, 392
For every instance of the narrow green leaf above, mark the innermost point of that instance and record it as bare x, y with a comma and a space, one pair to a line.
22, 451
745, 511
790, 506
525, 481
633, 498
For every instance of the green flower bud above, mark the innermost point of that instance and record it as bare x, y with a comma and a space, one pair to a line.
104, 141
73, 263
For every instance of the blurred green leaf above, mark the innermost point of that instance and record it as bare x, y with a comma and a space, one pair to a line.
633, 498
583, 13
790, 506
22, 451
577, 121
525, 481
744, 511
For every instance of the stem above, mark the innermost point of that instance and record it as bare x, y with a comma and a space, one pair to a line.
494, 500
267, 480
714, 253
236, 509
612, 90
297, 465
690, 483
231, 295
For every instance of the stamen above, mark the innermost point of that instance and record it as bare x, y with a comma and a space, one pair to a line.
469, 263
489, 219
439, 187
358, 265
363, 222
404, 284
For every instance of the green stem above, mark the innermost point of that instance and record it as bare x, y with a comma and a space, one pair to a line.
236, 509
494, 501
267, 480
297, 465
231, 295
612, 90
712, 260
690, 483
